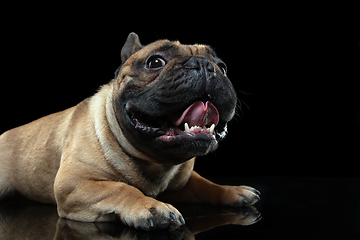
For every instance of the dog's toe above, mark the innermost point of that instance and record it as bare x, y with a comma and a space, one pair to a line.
239, 196
251, 189
154, 215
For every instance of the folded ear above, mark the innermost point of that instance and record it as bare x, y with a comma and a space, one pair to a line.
131, 46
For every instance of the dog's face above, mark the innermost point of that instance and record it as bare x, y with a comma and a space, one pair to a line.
173, 101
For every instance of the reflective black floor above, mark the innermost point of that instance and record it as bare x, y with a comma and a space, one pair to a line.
290, 208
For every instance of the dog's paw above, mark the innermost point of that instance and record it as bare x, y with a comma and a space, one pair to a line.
239, 196
149, 214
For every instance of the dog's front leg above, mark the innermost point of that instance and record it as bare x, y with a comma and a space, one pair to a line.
91, 201
201, 190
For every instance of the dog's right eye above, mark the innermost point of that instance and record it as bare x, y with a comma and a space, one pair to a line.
155, 61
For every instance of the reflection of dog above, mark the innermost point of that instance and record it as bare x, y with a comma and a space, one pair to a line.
134, 139
15, 216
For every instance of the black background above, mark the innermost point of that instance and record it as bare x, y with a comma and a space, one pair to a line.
296, 72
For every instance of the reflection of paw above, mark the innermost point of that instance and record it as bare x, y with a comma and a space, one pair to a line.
149, 214
239, 196
245, 216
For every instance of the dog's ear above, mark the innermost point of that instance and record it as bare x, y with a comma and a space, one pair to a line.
131, 46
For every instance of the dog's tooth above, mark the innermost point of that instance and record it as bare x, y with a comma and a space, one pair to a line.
212, 128
187, 129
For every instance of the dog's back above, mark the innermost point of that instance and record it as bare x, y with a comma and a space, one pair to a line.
29, 158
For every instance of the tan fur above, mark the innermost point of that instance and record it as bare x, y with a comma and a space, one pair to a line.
79, 158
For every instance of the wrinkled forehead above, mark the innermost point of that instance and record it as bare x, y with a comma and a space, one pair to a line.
175, 48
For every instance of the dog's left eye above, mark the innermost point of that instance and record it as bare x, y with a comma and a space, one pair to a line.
155, 61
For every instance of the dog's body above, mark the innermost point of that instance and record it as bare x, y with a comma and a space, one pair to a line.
136, 139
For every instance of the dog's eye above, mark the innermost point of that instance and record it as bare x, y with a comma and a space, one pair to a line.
223, 67
155, 61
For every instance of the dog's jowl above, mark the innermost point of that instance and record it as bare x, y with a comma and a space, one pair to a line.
135, 140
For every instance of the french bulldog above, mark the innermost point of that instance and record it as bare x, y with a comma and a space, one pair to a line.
130, 149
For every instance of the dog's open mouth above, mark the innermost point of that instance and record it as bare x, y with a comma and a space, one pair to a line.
197, 121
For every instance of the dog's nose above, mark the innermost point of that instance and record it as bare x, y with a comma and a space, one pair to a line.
200, 63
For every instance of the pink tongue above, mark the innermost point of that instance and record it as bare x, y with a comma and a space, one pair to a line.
198, 114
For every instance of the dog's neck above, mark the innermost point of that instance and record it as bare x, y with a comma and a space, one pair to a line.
108, 131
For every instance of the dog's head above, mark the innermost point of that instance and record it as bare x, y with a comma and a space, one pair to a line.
173, 101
